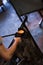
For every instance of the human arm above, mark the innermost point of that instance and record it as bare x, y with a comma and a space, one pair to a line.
8, 53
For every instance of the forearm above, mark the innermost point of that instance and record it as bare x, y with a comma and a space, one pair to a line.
7, 53
12, 49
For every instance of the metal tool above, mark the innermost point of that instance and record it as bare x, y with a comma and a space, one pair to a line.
17, 33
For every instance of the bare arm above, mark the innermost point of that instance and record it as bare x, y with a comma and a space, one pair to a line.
7, 53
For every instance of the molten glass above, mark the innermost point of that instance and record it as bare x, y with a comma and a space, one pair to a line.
20, 31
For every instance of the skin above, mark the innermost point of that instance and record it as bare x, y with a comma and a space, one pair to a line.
7, 53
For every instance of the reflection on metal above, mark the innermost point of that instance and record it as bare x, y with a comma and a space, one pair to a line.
4, 1
41, 24
9, 24
34, 19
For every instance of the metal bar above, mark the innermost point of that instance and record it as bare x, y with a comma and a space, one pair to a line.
16, 32
7, 35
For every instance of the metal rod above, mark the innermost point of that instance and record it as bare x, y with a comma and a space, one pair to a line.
20, 61
16, 32
7, 35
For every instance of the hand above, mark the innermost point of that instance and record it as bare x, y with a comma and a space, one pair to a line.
17, 39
